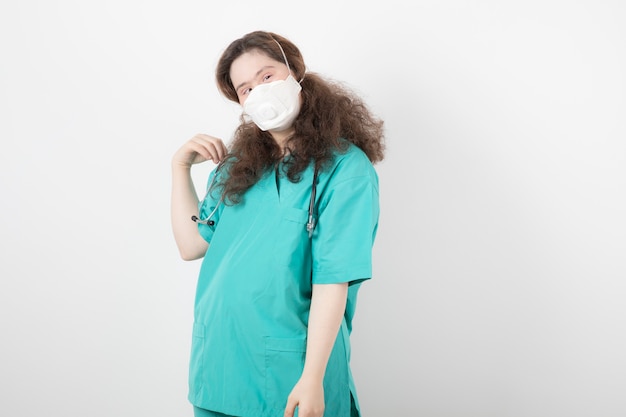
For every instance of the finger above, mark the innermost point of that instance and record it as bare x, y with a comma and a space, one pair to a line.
309, 412
214, 145
200, 148
291, 408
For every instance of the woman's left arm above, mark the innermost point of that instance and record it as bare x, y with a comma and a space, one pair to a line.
328, 304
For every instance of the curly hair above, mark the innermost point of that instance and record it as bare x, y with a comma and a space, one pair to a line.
330, 117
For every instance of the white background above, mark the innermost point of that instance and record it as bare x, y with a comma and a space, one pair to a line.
500, 273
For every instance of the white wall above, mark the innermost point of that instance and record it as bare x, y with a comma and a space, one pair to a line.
500, 272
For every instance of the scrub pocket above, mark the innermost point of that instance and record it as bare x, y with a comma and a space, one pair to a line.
196, 363
284, 361
291, 237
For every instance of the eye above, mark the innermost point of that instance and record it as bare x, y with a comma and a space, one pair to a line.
266, 77
244, 91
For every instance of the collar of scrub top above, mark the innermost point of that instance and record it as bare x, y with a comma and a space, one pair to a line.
310, 225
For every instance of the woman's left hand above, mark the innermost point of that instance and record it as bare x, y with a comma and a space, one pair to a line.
308, 396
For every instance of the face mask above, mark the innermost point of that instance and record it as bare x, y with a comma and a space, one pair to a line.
275, 105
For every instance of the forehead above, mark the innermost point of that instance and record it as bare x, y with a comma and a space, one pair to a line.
245, 67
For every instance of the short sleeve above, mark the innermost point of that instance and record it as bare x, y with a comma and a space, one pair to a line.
346, 227
211, 206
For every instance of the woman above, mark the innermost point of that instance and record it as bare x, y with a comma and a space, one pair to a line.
286, 231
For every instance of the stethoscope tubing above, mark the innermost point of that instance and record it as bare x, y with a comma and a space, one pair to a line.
310, 225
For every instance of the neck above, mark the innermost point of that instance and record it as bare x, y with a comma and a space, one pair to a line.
281, 137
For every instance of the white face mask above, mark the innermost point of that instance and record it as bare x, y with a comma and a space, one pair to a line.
275, 105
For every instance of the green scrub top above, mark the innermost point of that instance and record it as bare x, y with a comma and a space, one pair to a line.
254, 289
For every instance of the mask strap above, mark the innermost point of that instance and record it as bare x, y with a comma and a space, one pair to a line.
283, 52
285, 57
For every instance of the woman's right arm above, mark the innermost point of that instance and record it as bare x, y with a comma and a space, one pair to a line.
185, 201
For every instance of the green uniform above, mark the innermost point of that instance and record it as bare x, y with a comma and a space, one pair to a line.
254, 290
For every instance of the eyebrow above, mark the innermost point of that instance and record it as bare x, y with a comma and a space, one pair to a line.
255, 75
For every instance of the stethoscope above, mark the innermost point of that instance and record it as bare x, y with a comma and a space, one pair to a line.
310, 225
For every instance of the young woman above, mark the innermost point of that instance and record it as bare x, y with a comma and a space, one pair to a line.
286, 231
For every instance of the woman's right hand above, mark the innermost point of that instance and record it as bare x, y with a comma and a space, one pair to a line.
185, 201
198, 149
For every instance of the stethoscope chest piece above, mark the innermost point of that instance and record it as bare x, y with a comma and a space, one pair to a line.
206, 221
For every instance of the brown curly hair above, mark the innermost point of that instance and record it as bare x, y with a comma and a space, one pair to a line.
330, 115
